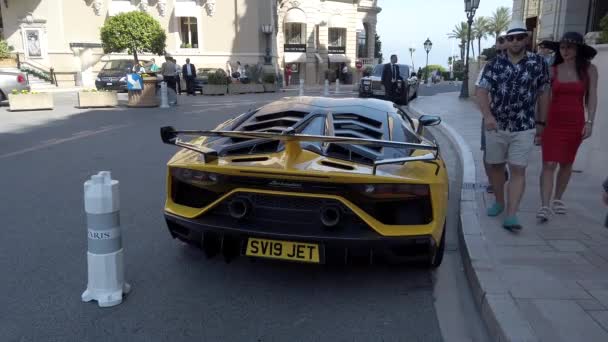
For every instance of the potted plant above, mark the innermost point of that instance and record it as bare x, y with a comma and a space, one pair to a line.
97, 98
217, 83
29, 100
136, 32
250, 84
270, 83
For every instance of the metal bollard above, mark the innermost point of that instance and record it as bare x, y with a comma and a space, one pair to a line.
301, 87
106, 282
164, 100
326, 88
337, 85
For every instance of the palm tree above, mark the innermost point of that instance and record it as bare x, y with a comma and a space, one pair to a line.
460, 32
499, 21
480, 31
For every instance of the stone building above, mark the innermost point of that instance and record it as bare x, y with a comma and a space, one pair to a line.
549, 19
64, 34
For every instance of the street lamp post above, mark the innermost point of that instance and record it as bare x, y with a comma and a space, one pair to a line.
412, 50
428, 45
470, 6
267, 30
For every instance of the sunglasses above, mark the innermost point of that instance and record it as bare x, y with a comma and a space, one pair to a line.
519, 37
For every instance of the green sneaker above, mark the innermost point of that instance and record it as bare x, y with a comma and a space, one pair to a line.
511, 223
495, 210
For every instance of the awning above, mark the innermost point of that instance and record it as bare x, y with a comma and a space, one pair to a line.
319, 59
337, 21
185, 8
338, 58
118, 7
295, 57
295, 15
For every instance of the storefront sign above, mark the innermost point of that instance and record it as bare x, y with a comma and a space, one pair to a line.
336, 49
295, 47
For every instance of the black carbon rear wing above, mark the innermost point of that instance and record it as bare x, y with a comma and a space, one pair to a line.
170, 135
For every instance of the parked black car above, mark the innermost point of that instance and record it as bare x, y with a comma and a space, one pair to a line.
202, 78
113, 75
371, 86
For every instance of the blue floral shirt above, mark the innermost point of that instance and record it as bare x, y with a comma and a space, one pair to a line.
514, 89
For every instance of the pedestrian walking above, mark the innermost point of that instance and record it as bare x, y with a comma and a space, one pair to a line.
168, 69
390, 75
189, 74
573, 91
508, 93
501, 46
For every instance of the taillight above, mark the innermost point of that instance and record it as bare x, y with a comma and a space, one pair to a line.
20, 78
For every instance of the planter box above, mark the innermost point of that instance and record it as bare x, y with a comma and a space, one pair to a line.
270, 87
258, 88
8, 63
215, 89
145, 98
240, 88
97, 99
30, 101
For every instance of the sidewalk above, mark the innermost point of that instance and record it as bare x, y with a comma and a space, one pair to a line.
550, 281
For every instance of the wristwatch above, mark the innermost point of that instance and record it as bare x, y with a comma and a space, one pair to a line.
589, 122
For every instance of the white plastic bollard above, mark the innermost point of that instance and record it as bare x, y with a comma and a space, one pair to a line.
326, 88
301, 87
337, 85
106, 282
164, 100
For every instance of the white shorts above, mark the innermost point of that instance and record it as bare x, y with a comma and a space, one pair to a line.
509, 147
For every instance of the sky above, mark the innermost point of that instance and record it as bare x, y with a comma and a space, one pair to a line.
408, 23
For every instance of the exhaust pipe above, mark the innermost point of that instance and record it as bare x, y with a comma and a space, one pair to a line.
330, 216
239, 208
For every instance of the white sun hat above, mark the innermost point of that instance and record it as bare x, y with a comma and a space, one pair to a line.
516, 27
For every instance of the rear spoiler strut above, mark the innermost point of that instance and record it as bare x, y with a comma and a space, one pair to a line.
170, 135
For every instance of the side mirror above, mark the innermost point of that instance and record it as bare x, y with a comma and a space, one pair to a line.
429, 120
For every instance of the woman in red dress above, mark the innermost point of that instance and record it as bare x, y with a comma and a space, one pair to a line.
573, 89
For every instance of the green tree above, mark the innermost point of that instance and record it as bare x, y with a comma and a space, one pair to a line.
378, 50
480, 30
499, 21
136, 32
5, 49
604, 27
460, 32
433, 67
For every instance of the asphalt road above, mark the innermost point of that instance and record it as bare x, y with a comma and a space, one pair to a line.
178, 294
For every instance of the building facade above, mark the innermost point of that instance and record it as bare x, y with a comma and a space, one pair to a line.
65, 34
550, 19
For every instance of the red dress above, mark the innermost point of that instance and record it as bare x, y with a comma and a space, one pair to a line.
565, 122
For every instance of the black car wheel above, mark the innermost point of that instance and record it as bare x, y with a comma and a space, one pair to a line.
436, 256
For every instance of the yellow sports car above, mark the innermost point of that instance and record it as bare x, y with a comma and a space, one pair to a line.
311, 179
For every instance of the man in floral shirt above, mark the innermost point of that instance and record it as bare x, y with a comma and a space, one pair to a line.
508, 92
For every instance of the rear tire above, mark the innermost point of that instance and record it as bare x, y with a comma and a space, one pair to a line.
436, 257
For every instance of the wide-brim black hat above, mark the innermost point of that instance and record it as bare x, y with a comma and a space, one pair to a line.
576, 38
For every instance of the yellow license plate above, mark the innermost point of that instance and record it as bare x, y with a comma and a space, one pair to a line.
285, 250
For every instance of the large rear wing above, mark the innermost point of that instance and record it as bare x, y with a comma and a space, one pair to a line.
170, 135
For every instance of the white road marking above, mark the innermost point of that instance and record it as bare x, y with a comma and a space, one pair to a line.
52, 142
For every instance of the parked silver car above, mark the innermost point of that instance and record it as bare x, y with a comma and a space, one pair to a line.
12, 79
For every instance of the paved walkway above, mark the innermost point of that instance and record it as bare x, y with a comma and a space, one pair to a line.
550, 281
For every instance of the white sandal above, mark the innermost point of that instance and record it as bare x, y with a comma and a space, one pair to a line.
559, 207
543, 214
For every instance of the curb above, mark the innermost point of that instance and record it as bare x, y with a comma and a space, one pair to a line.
498, 309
